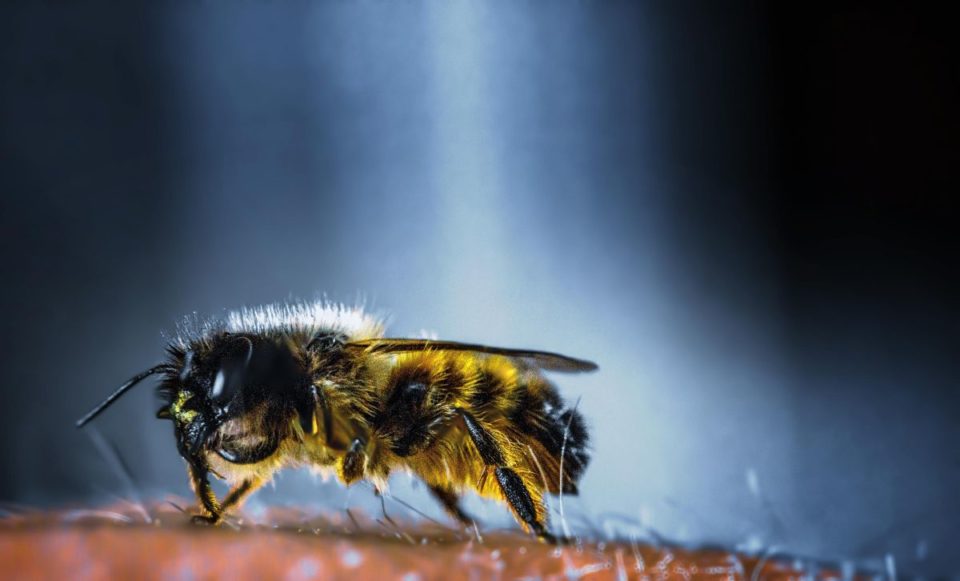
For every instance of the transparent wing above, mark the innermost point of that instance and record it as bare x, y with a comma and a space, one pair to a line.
541, 359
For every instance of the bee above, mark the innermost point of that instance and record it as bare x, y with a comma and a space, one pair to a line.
318, 385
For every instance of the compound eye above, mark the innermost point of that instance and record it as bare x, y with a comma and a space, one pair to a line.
219, 384
229, 377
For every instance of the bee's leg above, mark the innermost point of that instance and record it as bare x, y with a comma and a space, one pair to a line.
353, 465
517, 493
199, 478
451, 503
238, 494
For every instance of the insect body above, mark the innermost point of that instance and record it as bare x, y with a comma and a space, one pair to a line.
318, 385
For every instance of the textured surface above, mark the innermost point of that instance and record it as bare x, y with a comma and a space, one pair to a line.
121, 543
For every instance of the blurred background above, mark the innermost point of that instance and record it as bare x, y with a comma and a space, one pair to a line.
743, 214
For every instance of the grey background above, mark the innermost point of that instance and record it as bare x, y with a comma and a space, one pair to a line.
743, 214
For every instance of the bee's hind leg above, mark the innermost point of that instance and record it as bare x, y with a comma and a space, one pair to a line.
516, 493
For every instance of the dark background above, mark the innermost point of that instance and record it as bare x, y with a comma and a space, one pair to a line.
744, 214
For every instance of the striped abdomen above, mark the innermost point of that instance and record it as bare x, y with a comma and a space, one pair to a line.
517, 405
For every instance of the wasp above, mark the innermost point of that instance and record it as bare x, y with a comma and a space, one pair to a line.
318, 385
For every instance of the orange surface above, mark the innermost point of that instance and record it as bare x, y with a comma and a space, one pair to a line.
114, 544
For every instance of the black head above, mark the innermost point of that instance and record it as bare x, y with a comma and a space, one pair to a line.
236, 395
232, 394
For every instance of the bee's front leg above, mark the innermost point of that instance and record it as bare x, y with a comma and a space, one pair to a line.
200, 479
239, 493
216, 511
234, 498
